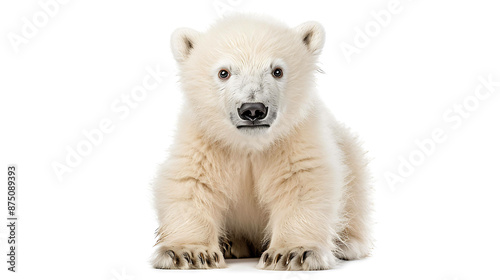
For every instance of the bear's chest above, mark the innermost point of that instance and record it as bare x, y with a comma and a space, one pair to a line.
245, 216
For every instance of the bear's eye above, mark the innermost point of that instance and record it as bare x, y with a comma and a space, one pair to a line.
224, 74
277, 73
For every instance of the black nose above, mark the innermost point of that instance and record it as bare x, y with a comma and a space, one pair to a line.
252, 111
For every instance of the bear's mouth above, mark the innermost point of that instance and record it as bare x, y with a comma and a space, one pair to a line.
252, 125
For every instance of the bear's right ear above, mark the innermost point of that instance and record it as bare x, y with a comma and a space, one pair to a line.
182, 42
312, 35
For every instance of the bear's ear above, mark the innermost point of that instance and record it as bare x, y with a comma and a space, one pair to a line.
182, 42
312, 35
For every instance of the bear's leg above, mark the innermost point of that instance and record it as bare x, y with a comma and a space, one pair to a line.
188, 237
355, 241
300, 227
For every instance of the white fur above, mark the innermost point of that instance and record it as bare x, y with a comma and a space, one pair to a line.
295, 193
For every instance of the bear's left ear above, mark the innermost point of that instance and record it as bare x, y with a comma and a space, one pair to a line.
312, 35
182, 42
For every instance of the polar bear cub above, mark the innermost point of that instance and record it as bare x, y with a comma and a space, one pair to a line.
259, 167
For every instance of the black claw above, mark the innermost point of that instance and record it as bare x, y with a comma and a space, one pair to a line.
305, 255
187, 258
269, 260
202, 258
209, 259
264, 257
170, 253
290, 257
216, 257
226, 246
277, 258
193, 259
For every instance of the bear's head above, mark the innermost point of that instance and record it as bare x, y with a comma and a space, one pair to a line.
248, 81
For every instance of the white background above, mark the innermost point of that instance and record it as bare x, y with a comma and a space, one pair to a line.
442, 222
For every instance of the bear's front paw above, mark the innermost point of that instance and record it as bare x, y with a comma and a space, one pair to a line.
298, 258
188, 257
